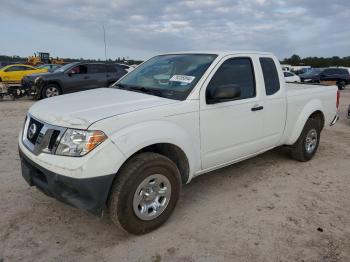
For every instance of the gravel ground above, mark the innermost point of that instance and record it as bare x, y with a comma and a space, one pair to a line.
268, 208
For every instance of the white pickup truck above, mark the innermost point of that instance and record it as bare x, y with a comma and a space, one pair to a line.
128, 149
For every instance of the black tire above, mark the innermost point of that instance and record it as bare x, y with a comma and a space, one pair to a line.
341, 85
128, 179
44, 91
298, 150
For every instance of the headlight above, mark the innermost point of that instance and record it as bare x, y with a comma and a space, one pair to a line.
79, 142
36, 80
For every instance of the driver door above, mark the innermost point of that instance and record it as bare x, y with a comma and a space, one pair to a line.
231, 129
78, 79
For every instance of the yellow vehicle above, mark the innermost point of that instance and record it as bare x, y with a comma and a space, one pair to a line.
15, 73
40, 58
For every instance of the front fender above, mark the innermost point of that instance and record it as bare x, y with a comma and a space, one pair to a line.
133, 138
311, 107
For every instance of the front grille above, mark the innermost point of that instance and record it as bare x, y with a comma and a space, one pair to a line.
34, 129
40, 137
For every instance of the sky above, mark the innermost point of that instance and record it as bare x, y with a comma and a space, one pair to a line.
141, 29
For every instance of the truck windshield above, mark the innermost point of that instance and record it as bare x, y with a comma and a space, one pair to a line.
65, 67
170, 76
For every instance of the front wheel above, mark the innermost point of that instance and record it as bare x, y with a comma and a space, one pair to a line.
144, 193
50, 90
306, 146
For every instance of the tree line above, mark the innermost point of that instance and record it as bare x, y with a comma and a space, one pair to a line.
296, 60
18, 59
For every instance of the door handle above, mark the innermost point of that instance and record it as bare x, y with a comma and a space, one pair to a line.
257, 108
86, 77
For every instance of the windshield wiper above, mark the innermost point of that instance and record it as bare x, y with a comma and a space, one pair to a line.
152, 91
121, 86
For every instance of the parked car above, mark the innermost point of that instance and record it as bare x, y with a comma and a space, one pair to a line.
130, 148
291, 77
15, 73
128, 68
312, 76
121, 70
340, 76
349, 112
49, 67
298, 70
73, 77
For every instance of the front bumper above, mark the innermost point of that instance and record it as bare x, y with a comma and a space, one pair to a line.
32, 88
89, 194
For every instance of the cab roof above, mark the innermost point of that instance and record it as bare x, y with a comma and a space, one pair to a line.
221, 53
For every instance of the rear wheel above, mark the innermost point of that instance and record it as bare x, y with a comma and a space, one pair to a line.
144, 193
341, 85
306, 146
51, 90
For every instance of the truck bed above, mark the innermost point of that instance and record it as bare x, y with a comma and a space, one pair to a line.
294, 89
301, 101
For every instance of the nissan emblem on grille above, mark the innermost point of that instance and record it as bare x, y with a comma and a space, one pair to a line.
32, 130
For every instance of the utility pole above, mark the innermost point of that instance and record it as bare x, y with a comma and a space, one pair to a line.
104, 40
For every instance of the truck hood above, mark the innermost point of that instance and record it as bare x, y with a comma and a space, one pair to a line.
43, 75
80, 110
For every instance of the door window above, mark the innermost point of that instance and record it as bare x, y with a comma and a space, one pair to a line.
13, 69
287, 74
96, 68
80, 69
233, 73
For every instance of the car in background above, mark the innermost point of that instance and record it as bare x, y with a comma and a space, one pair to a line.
291, 77
49, 67
128, 68
337, 75
299, 70
73, 77
15, 73
121, 70
312, 76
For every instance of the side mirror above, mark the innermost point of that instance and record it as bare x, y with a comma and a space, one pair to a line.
222, 93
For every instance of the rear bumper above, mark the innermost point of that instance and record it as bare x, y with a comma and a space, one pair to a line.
335, 119
89, 194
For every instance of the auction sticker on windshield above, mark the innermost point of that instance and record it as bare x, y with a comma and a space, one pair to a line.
182, 78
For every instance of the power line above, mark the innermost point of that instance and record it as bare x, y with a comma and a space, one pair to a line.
104, 40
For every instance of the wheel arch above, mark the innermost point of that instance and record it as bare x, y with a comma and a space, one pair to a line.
171, 151
54, 82
43, 85
313, 110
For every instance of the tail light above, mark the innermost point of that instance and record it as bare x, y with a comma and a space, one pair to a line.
338, 98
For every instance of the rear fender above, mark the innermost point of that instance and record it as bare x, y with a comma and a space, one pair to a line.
311, 107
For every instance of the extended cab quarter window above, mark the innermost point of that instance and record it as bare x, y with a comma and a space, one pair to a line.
233, 73
271, 79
